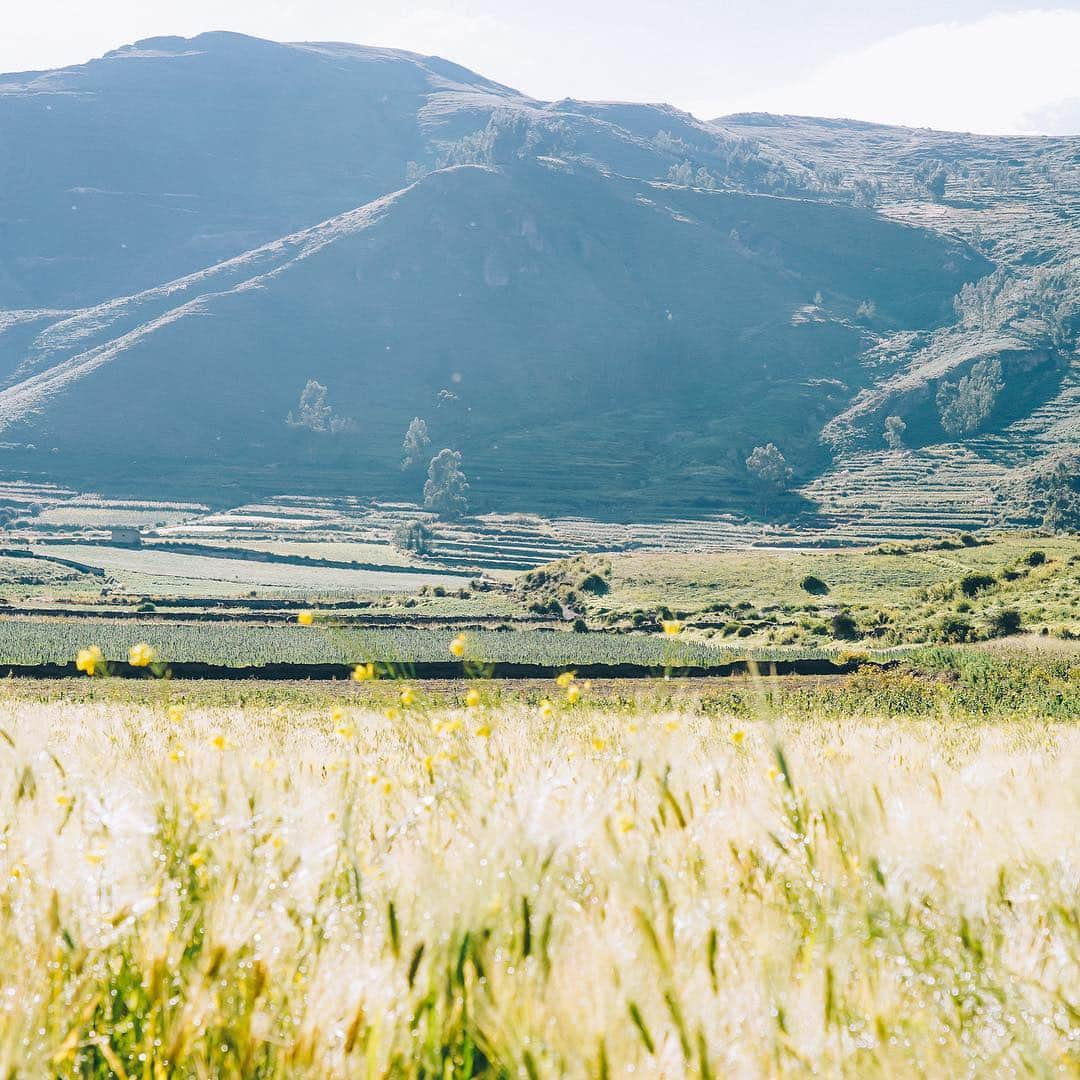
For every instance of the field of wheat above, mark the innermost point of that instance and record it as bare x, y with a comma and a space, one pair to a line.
532, 890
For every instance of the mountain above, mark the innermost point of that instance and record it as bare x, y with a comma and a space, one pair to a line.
605, 306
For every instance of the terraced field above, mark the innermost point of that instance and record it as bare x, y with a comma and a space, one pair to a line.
310, 581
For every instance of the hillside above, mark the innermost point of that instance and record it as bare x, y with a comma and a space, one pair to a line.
604, 306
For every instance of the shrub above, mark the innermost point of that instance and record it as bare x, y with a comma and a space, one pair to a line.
595, 584
973, 584
1003, 622
843, 626
580, 626
955, 628
813, 585
1035, 558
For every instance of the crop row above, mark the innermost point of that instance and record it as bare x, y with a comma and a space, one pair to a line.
27, 642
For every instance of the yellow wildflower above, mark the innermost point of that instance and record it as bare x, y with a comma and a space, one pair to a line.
672, 726
472, 699
305, 618
218, 741
197, 859
598, 744
483, 731
626, 823
95, 857
392, 714
448, 727
672, 627
738, 737
573, 695
457, 646
407, 696
565, 679
175, 713
346, 731
363, 672
63, 799
89, 660
547, 710
141, 655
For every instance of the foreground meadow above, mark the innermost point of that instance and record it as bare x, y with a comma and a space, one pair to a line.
326, 887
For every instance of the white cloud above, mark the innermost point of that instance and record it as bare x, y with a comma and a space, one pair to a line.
1009, 74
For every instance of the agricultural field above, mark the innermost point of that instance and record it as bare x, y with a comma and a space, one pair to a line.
32, 642
298, 580
870, 879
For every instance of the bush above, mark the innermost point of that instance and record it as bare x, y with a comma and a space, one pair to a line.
973, 584
1035, 558
580, 626
843, 626
1003, 623
955, 628
813, 585
595, 584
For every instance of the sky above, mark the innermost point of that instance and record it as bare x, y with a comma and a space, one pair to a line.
968, 65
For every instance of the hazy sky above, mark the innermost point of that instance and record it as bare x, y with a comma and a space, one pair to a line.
972, 65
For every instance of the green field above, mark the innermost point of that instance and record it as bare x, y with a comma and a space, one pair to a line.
31, 641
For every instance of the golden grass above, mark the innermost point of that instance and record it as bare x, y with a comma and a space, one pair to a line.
249, 893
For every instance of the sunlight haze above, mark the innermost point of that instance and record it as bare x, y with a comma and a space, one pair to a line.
971, 65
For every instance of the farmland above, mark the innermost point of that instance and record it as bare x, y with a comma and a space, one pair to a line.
304, 883
34, 642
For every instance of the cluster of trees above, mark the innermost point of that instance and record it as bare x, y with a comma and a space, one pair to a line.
966, 405
313, 413
685, 175
446, 490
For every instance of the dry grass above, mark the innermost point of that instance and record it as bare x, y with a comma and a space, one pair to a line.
245, 893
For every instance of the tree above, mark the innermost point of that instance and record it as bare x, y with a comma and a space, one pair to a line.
413, 536
769, 467
446, 490
894, 432
966, 405
416, 444
682, 174
314, 414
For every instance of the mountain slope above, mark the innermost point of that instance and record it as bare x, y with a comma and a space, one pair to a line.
542, 296
605, 306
